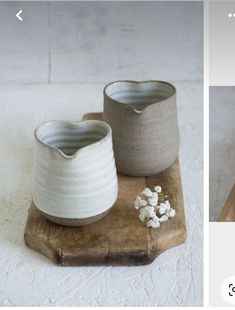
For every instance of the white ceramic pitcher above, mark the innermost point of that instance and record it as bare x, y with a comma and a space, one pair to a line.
74, 175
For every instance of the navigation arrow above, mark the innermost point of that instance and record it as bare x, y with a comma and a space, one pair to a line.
18, 15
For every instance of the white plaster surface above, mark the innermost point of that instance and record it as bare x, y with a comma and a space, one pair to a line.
30, 279
54, 66
222, 147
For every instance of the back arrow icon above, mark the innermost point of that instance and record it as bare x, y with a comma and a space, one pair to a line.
18, 15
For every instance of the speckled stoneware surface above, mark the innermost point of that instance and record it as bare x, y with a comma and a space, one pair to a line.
74, 175
143, 117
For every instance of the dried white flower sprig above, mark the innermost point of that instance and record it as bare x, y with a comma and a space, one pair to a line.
154, 208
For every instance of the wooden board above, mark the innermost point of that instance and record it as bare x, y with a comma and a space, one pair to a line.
227, 214
120, 238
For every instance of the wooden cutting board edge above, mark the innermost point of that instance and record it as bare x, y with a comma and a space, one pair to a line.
56, 254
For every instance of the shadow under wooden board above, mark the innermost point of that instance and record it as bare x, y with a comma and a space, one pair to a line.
227, 214
120, 238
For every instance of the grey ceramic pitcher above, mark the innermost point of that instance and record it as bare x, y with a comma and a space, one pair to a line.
143, 117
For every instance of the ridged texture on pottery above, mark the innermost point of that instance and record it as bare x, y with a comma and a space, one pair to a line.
74, 170
143, 117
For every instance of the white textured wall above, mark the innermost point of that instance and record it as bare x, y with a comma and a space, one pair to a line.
90, 42
77, 48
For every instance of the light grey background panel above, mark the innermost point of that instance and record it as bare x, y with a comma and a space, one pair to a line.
221, 265
101, 41
222, 146
221, 43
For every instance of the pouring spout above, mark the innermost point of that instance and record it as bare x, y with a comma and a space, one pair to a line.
137, 111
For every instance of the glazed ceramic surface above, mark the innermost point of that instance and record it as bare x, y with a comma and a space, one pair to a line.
143, 117
74, 176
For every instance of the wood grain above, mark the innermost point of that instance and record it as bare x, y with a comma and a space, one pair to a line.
120, 238
227, 214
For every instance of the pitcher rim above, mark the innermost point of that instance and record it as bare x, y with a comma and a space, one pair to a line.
139, 82
65, 156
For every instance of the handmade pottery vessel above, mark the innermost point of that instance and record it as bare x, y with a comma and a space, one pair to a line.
74, 175
143, 118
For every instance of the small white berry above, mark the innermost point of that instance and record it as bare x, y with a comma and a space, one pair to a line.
155, 217
137, 202
172, 213
154, 195
147, 192
143, 203
142, 211
163, 218
153, 224
142, 217
153, 201
162, 208
158, 189
149, 211
168, 206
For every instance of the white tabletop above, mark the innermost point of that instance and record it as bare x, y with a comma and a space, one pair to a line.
30, 279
